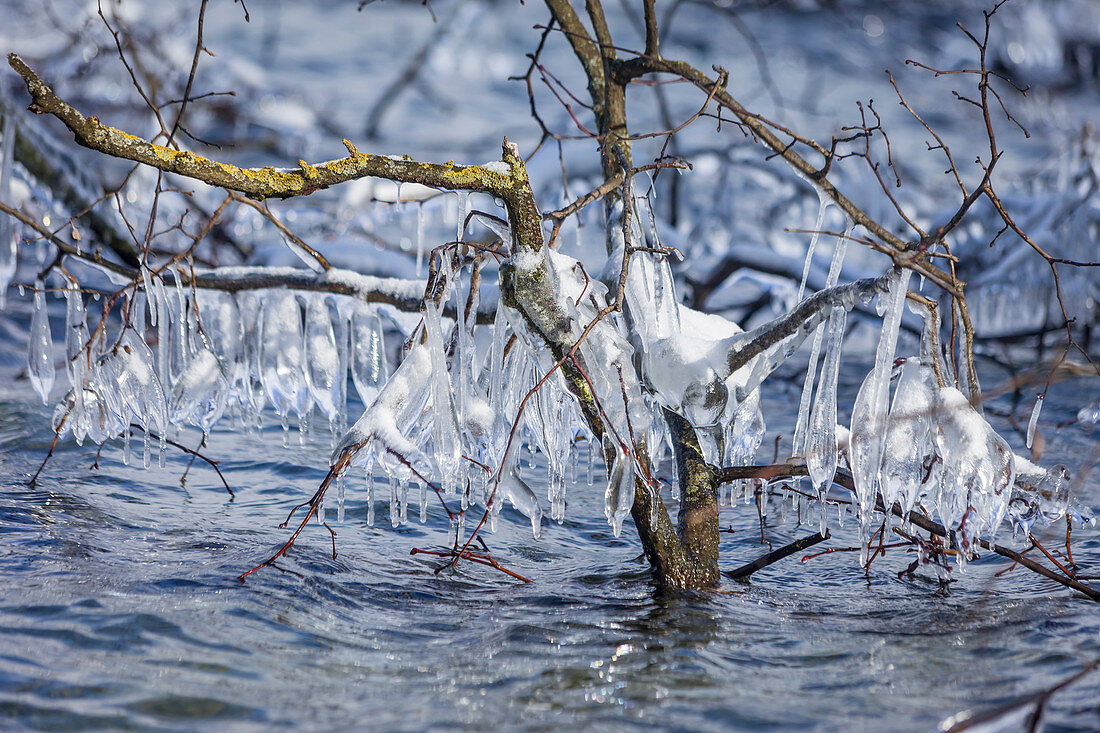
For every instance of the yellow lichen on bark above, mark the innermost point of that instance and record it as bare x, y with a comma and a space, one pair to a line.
267, 182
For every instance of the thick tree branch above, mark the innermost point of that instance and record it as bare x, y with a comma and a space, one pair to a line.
263, 182
698, 516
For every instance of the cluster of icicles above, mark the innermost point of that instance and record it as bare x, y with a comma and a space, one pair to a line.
214, 352
445, 415
462, 408
448, 413
927, 447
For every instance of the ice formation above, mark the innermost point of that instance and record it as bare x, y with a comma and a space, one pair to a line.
40, 349
460, 409
8, 258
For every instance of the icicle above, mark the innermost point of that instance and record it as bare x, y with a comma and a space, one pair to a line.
40, 347
460, 530
463, 210
522, 498
1034, 420
341, 329
250, 393
180, 344
869, 413
222, 330
798, 444
8, 257
448, 451
76, 328
164, 327
496, 362
368, 355
909, 465
138, 385
281, 355
395, 511
148, 287
978, 471
823, 204
137, 309
370, 492
619, 494
199, 393
463, 354
340, 498
419, 238
821, 444
145, 449
307, 257
323, 373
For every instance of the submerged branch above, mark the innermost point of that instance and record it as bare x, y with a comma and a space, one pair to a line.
843, 478
745, 571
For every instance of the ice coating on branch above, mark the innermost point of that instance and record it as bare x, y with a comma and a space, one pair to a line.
619, 494
686, 370
445, 438
869, 413
823, 202
40, 347
978, 471
307, 258
139, 389
940, 452
1042, 495
909, 466
683, 351
385, 425
605, 355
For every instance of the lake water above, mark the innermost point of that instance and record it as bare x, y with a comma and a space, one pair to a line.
119, 604
120, 609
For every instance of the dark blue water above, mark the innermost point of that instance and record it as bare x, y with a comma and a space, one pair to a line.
119, 609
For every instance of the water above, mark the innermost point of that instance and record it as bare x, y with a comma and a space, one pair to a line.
121, 609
